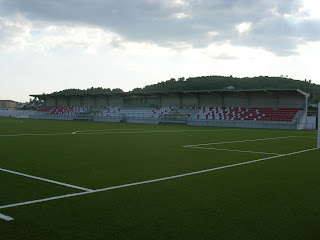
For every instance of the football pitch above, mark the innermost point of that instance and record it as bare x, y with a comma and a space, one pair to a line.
90, 180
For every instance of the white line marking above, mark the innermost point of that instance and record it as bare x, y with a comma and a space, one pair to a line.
306, 137
101, 130
34, 134
111, 132
235, 150
46, 180
6, 218
149, 181
161, 131
250, 140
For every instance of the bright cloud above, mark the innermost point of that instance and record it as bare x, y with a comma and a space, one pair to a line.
181, 15
49, 45
244, 27
14, 34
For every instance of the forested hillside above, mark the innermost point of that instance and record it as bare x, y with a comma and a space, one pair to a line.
215, 83
221, 82
88, 91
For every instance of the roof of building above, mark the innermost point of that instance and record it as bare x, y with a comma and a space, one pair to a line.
188, 92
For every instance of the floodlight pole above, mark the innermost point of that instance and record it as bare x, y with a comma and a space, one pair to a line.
319, 125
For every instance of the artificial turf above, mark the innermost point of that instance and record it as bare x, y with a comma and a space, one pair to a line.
273, 199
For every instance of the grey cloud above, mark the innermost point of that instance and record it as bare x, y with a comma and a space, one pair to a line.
154, 21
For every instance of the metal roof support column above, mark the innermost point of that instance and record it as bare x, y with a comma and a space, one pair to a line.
306, 106
107, 100
275, 101
198, 100
160, 102
222, 100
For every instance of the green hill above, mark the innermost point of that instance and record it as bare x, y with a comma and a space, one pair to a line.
222, 82
216, 83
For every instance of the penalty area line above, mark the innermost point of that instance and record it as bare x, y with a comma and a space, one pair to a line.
45, 180
239, 141
236, 150
149, 181
114, 132
6, 218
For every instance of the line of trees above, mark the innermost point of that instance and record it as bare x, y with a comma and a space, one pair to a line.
215, 82
223, 82
91, 90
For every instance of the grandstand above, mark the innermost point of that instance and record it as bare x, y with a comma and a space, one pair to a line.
261, 108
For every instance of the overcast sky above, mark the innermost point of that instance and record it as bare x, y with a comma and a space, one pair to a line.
51, 45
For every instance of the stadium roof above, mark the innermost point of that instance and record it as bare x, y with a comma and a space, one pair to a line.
187, 92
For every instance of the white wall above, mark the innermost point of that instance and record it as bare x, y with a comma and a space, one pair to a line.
16, 113
308, 122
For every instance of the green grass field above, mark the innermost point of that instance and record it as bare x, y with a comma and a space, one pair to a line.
276, 197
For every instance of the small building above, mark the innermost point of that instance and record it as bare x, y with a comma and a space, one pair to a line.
8, 105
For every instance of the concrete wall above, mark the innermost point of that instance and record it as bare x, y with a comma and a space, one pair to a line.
308, 122
102, 101
16, 113
88, 100
48, 117
104, 119
170, 100
210, 100
115, 101
50, 101
62, 101
291, 101
261, 101
143, 121
133, 101
189, 101
236, 101
243, 124
74, 101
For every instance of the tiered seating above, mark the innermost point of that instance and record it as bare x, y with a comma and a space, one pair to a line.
201, 113
140, 113
68, 111
114, 111
165, 111
111, 111
244, 114
45, 109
